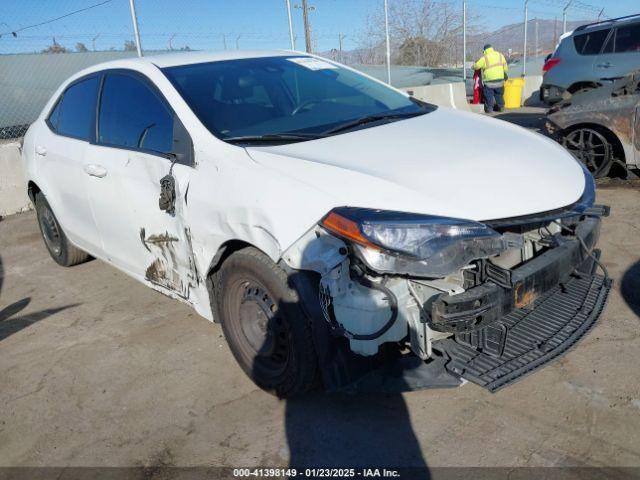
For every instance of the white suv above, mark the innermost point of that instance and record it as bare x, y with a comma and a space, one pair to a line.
342, 232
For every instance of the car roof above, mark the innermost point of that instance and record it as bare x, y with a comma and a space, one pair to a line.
188, 58
180, 58
605, 24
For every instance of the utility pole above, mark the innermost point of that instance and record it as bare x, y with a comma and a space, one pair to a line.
307, 27
524, 50
386, 28
564, 16
555, 32
171, 40
536, 23
136, 33
238, 42
464, 40
224, 40
341, 37
600, 15
291, 37
93, 42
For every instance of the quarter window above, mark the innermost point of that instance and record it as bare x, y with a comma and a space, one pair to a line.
628, 39
590, 43
133, 116
74, 114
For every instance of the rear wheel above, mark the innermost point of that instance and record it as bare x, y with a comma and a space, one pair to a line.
59, 247
591, 148
264, 324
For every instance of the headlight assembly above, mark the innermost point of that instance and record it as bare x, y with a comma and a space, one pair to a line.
421, 245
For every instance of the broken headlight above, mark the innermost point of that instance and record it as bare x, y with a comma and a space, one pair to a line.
420, 245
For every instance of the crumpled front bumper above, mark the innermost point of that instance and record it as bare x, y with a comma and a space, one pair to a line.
527, 316
532, 314
502, 290
527, 339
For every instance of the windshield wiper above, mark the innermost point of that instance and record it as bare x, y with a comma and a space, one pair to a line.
274, 137
373, 118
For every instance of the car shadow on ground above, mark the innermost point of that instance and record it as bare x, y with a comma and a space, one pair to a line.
10, 323
344, 430
630, 287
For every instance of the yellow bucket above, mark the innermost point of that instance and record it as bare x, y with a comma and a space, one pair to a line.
513, 92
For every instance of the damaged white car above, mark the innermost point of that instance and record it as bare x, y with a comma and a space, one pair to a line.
343, 233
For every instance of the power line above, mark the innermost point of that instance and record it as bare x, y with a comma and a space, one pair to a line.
14, 32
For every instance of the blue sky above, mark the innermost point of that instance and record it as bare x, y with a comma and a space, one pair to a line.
246, 23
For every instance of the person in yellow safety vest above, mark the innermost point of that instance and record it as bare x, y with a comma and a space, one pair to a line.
494, 72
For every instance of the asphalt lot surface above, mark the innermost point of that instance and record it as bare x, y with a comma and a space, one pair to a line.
98, 370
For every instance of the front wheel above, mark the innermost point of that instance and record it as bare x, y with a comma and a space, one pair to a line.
591, 148
264, 323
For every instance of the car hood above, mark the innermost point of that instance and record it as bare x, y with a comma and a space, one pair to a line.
446, 163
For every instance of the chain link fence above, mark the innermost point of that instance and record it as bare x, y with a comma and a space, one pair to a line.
41, 47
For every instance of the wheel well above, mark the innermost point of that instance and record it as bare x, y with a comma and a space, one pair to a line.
580, 85
225, 250
618, 150
33, 190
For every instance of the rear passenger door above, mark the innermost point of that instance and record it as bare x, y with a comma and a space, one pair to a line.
137, 134
588, 45
621, 54
62, 170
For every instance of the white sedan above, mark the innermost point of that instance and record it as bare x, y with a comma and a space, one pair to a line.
343, 233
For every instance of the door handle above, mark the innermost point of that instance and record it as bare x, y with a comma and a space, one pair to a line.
95, 170
604, 65
40, 150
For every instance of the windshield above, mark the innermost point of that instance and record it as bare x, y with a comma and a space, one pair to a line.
279, 96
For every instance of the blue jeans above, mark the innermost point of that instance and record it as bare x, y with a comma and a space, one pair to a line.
489, 95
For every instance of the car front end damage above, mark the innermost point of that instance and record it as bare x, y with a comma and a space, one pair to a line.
403, 302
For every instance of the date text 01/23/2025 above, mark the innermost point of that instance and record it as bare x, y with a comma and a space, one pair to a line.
316, 473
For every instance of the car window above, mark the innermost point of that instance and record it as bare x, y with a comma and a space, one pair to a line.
73, 115
132, 115
590, 43
628, 39
278, 95
608, 47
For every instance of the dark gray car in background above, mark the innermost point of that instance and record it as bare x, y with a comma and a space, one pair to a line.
593, 55
601, 127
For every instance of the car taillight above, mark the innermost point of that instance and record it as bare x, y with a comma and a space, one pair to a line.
549, 64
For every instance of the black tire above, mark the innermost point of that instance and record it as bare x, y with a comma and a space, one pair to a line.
592, 148
265, 326
59, 247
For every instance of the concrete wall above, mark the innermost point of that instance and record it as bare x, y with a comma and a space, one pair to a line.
451, 95
13, 192
531, 91
454, 95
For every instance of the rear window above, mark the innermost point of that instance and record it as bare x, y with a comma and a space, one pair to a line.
628, 39
590, 43
74, 114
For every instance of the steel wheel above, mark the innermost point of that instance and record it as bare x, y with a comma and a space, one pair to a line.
262, 332
264, 323
58, 246
51, 231
591, 148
